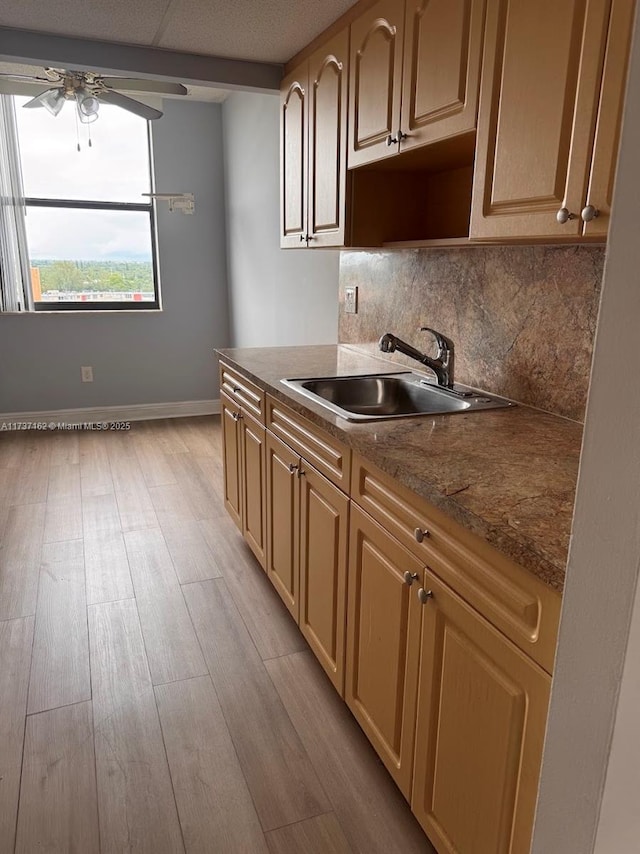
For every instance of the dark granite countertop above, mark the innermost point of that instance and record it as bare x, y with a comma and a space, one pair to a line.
508, 475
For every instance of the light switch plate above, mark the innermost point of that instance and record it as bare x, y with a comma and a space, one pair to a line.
351, 300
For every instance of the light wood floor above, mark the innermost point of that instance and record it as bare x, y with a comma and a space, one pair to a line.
155, 695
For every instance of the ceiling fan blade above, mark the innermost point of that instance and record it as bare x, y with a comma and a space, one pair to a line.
129, 84
118, 100
26, 77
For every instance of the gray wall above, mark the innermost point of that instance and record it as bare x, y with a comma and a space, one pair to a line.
276, 297
157, 357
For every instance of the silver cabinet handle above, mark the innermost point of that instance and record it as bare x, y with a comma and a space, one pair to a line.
304, 238
421, 534
392, 140
424, 595
410, 577
236, 416
236, 389
589, 213
301, 472
564, 215
292, 468
402, 136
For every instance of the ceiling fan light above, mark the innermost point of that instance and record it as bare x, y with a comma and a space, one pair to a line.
52, 100
88, 106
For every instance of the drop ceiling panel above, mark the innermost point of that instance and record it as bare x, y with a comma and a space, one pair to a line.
261, 30
130, 21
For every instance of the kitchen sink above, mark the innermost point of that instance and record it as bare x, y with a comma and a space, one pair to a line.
404, 394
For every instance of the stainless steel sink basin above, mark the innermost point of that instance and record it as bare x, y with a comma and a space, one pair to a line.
399, 395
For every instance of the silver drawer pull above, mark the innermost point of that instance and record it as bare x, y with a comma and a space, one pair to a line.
421, 534
293, 468
410, 577
424, 595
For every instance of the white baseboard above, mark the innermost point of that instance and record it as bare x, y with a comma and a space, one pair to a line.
140, 412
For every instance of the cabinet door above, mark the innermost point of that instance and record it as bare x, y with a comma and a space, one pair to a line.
482, 712
324, 517
293, 158
441, 69
252, 439
232, 459
605, 152
383, 639
328, 142
540, 86
283, 509
375, 88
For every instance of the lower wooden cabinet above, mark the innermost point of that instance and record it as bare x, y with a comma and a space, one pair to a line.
454, 705
455, 710
231, 459
283, 511
383, 643
307, 521
481, 717
324, 524
244, 474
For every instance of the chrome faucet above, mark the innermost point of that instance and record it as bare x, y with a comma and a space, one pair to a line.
442, 365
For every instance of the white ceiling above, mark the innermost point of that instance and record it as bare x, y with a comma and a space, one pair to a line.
259, 30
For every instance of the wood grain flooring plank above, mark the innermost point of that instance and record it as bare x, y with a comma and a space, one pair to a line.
170, 503
58, 800
12, 448
95, 471
373, 815
63, 519
65, 447
16, 638
136, 805
167, 435
191, 555
60, 665
271, 626
134, 503
213, 471
319, 835
151, 459
198, 487
107, 569
32, 480
20, 552
214, 805
202, 436
172, 647
281, 779
100, 516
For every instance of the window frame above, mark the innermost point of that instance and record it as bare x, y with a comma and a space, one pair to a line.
103, 305
85, 204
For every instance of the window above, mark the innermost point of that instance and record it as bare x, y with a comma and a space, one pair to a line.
90, 232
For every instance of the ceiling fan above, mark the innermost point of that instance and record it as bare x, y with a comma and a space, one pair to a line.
88, 89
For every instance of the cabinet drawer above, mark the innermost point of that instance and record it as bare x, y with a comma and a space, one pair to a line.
524, 608
242, 391
328, 455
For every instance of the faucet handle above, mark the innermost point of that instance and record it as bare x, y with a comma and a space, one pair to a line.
444, 344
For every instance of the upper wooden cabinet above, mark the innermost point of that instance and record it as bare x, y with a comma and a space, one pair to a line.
552, 74
313, 134
293, 158
375, 91
441, 69
414, 71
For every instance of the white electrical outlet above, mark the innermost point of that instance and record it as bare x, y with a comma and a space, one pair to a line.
87, 374
351, 300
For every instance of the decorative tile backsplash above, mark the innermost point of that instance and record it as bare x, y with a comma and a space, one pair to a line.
522, 318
